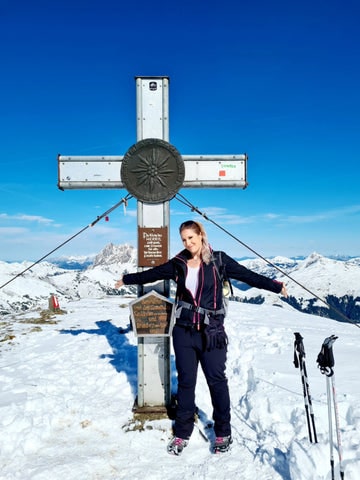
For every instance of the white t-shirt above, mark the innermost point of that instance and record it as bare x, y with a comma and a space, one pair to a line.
192, 277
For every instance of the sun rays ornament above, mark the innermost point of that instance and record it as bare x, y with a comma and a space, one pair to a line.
153, 170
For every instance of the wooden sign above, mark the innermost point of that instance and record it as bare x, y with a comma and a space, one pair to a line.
151, 315
153, 246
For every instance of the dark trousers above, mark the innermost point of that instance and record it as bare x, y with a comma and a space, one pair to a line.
189, 352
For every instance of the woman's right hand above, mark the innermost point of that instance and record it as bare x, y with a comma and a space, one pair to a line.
119, 283
284, 291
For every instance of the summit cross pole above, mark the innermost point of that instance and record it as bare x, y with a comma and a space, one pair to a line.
153, 171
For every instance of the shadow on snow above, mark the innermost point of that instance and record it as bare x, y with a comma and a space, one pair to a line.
124, 355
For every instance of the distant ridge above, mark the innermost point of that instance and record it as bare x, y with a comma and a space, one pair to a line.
335, 280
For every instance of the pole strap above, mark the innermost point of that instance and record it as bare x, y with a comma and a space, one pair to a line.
325, 358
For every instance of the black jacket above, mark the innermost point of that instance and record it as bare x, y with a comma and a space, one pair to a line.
209, 292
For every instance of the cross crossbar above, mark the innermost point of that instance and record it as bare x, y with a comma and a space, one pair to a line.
103, 172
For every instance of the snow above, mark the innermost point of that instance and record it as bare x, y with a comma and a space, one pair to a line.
68, 388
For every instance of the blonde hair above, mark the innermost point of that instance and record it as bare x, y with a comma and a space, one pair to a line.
199, 229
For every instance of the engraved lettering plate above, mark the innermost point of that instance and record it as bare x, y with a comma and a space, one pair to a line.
152, 315
153, 249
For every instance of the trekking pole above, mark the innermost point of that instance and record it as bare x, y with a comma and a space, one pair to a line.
338, 436
331, 442
299, 361
326, 363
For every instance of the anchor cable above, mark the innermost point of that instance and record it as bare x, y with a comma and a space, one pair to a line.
186, 202
124, 200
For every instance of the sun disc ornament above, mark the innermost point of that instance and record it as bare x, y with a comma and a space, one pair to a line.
153, 170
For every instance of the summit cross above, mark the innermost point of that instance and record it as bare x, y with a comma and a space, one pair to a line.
153, 171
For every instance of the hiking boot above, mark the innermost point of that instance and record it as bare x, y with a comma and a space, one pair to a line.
177, 445
222, 444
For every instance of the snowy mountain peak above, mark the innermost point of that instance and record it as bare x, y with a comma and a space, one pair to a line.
314, 258
116, 254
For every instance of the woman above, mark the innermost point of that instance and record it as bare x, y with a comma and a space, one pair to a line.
198, 334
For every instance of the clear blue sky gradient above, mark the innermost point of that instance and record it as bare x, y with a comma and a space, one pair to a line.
278, 80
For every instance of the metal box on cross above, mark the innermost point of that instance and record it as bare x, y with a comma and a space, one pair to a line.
152, 171
152, 315
152, 319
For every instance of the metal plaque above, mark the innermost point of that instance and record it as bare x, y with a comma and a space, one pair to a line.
153, 170
152, 244
152, 314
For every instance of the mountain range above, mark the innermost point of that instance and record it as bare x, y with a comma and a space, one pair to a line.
325, 286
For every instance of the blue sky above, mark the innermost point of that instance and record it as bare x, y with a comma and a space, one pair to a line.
278, 80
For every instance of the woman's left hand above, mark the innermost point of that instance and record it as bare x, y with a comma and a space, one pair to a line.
119, 283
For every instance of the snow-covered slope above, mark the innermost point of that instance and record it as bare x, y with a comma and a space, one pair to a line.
68, 388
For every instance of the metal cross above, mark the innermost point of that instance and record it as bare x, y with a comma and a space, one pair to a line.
153, 171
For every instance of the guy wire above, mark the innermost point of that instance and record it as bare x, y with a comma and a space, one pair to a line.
186, 202
124, 200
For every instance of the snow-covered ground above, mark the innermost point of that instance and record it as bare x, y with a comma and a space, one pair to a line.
67, 390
